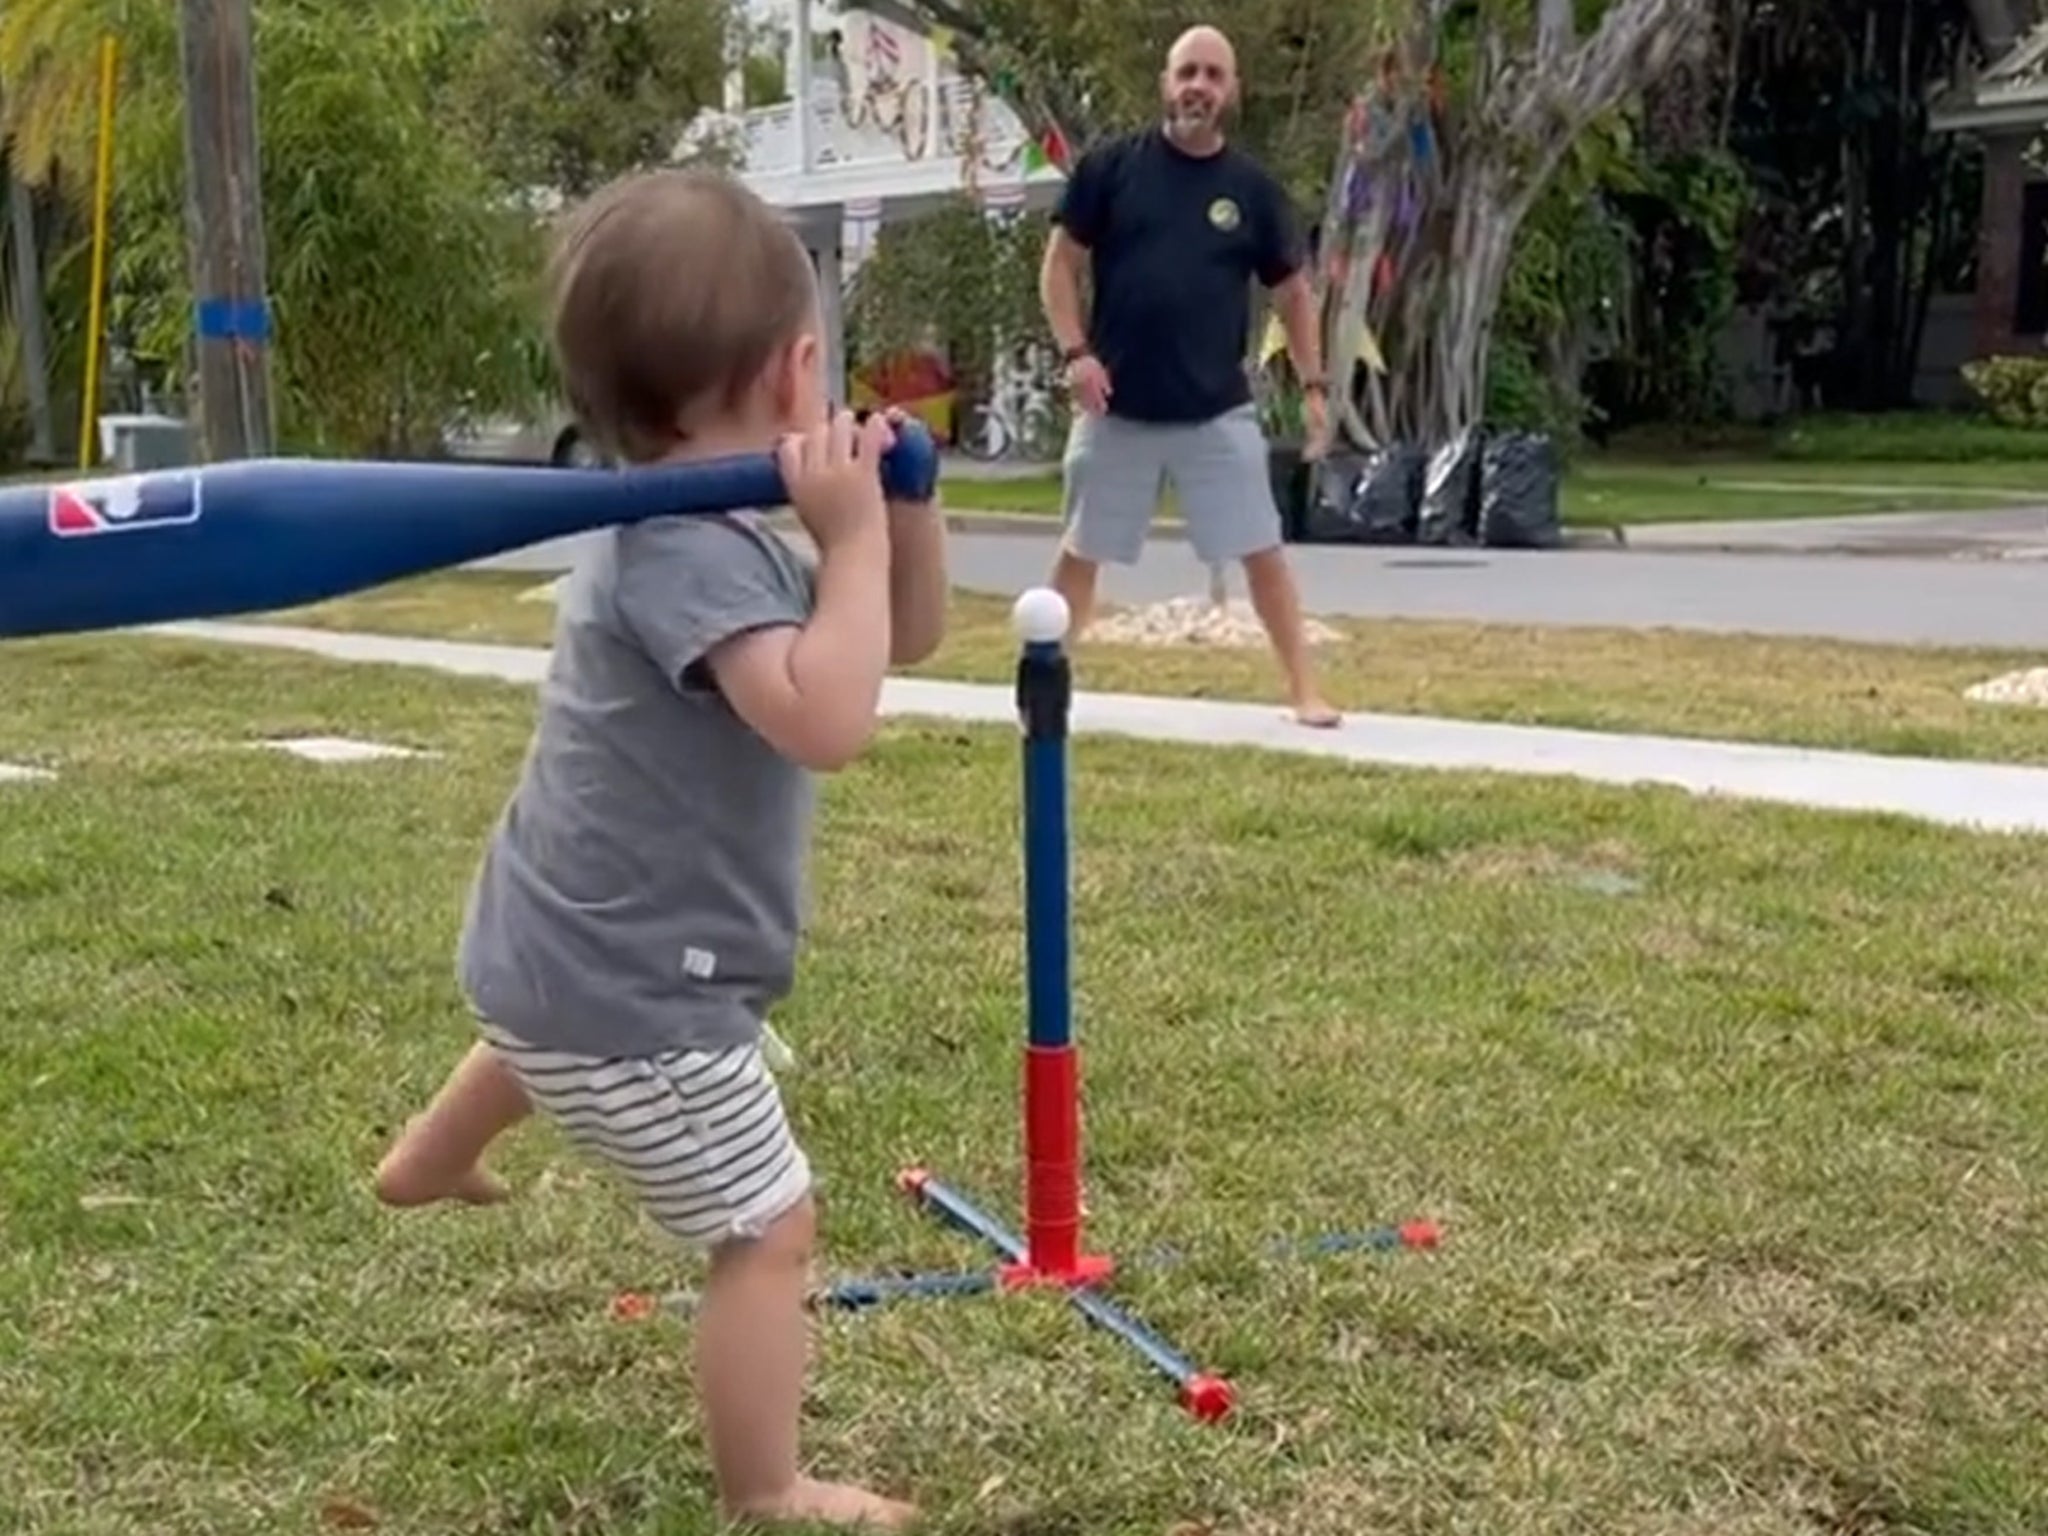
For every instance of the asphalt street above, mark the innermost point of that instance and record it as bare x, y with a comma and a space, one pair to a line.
1992, 595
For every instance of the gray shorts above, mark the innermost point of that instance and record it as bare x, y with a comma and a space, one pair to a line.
1116, 469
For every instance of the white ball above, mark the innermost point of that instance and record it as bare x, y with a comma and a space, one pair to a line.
1040, 616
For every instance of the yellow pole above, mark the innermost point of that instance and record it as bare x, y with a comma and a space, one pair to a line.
99, 252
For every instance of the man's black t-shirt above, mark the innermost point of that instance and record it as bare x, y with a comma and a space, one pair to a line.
1174, 241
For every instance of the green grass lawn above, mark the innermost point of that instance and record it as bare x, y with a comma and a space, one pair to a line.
1873, 698
1833, 438
1737, 1118
1605, 492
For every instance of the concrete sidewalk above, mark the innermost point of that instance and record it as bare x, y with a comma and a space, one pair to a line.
1979, 796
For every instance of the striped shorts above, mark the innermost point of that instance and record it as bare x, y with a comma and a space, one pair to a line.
699, 1136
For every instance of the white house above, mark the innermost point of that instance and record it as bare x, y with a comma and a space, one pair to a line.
880, 125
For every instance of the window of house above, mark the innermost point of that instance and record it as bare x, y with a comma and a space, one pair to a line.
2030, 283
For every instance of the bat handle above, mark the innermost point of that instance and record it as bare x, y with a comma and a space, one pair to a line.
910, 467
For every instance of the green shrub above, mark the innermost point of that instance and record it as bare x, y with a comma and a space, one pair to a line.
2013, 389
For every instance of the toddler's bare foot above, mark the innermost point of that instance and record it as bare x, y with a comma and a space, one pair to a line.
808, 1500
405, 1179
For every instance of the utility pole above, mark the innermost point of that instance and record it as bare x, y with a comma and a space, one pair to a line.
224, 230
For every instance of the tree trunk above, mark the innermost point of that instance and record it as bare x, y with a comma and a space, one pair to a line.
1425, 205
1482, 239
1929, 271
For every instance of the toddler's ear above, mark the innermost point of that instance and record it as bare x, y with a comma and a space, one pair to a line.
796, 375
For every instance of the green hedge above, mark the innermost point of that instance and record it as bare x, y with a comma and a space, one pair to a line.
1927, 437
1893, 437
2013, 389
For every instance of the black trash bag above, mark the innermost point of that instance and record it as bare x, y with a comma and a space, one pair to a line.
1518, 486
1449, 512
1368, 498
1326, 509
1389, 495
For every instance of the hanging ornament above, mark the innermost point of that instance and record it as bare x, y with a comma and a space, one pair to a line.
1382, 128
1407, 207
1273, 342
1356, 121
1366, 346
1358, 341
1357, 192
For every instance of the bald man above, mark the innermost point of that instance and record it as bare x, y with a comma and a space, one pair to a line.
1174, 226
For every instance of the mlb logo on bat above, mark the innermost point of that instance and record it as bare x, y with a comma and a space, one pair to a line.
122, 504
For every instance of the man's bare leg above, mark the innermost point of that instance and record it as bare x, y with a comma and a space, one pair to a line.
1074, 579
1278, 605
439, 1156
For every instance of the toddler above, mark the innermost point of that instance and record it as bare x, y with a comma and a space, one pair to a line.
637, 909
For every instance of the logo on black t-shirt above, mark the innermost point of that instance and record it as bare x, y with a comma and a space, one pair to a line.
1223, 214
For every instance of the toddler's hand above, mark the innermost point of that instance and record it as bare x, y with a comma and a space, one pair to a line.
896, 416
834, 476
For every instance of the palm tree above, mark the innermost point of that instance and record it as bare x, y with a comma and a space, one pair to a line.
50, 68
50, 79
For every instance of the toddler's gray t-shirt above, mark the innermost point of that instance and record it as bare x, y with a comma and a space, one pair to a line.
644, 887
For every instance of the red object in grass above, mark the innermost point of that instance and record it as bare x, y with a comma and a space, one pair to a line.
1208, 1398
632, 1307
